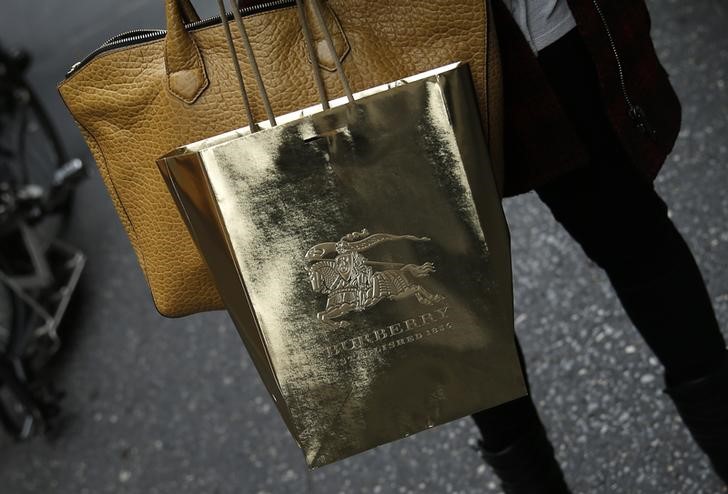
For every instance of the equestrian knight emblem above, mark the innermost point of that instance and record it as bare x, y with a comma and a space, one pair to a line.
352, 282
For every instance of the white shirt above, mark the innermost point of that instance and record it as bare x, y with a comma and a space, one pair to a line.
542, 21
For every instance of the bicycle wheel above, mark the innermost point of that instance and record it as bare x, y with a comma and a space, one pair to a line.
29, 135
30, 154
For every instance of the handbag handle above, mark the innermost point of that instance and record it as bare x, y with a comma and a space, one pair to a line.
328, 38
308, 40
185, 67
186, 74
188, 11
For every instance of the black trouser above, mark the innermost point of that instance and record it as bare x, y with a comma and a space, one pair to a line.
621, 223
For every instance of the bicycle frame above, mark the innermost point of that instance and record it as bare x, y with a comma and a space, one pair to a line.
40, 275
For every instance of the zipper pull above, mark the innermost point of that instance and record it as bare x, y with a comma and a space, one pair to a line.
637, 114
73, 68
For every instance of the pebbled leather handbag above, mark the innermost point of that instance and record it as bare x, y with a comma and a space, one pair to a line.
146, 92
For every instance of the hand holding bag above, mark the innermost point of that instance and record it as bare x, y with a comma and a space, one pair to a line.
362, 252
146, 92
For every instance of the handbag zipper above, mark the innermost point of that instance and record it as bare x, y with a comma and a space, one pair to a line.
137, 36
636, 113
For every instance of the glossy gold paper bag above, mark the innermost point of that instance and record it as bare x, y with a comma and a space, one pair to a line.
363, 254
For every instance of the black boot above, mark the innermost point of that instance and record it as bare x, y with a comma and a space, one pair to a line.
703, 406
528, 465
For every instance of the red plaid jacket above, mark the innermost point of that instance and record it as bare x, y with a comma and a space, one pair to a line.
539, 140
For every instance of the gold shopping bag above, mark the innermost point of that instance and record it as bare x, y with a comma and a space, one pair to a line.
363, 254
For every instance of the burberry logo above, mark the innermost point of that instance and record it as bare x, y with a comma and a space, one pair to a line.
339, 270
428, 319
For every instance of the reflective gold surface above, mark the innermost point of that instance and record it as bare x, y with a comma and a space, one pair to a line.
363, 254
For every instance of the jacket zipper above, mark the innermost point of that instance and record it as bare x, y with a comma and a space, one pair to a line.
137, 36
636, 113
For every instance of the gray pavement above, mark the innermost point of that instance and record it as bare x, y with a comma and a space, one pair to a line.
174, 406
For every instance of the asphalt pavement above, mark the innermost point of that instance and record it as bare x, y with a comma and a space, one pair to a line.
159, 405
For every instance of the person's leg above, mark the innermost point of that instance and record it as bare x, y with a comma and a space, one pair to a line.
514, 443
508, 429
501, 425
622, 224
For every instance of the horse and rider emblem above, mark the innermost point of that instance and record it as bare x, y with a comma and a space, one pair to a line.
352, 282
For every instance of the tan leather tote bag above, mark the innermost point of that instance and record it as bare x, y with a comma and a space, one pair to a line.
145, 93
